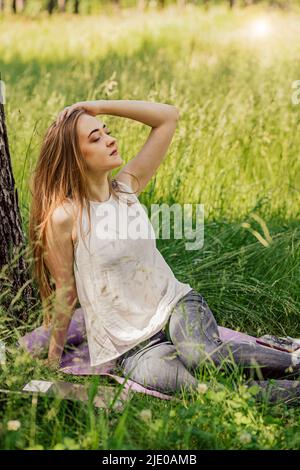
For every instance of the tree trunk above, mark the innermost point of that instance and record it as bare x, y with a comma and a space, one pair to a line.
18, 6
51, 5
62, 5
14, 278
76, 7
2, 5
141, 5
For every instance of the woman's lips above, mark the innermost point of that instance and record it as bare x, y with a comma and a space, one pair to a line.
114, 153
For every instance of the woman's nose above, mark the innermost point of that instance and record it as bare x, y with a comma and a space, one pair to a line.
111, 140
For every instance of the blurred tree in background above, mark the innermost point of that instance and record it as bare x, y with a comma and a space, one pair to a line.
96, 6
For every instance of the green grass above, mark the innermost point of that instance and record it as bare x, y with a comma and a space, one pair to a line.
236, 150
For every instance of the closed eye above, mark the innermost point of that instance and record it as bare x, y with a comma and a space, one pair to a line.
100, 137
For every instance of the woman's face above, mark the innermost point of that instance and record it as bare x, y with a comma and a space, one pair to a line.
97, 145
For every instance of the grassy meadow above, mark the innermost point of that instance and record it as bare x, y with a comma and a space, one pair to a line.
236, 150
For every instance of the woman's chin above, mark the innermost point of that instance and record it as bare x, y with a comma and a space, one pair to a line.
117, 160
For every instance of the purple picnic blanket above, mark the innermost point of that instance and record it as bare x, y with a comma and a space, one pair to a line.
75, 359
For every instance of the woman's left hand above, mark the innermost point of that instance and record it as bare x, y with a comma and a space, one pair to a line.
51, 364
91, 107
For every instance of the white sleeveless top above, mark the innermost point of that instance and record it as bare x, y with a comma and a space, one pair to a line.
124, 285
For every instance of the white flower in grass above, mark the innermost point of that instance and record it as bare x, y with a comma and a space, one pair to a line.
145, 415
245, 437
202, 388
13, 425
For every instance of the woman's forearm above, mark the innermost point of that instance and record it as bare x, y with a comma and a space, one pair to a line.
151, 114
58, 338
63, 311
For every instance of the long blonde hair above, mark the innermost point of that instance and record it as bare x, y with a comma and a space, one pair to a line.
60, 173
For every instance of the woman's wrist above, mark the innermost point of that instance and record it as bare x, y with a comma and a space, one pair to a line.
101, 106
53, 362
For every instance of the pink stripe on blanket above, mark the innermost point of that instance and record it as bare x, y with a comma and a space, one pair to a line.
226, 334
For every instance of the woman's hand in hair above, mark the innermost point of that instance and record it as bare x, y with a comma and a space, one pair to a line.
91, 107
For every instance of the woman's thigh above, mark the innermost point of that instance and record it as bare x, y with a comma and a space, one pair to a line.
159, 368
193, 330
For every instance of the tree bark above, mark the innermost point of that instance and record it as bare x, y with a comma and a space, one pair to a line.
14, 277
76, 7
62, 5
51, 5
18, 6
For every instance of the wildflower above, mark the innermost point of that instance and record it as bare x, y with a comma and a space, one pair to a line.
13, 425
145, 415
202, 388
245, 437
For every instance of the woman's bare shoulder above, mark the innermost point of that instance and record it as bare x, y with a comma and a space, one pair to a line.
64, 217
64, 213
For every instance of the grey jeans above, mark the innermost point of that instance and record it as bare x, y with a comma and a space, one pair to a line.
166, 361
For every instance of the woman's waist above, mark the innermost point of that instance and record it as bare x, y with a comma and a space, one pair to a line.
158, 337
